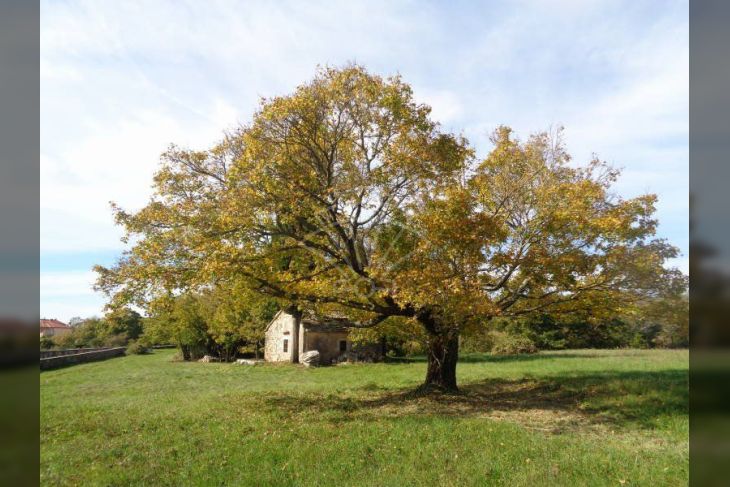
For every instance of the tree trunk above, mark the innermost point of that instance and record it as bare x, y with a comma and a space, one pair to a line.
443, 353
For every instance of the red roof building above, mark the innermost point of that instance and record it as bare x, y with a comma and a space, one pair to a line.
53, 327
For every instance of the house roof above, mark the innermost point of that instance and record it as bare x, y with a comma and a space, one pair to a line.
312, 323
54, 323
325, 326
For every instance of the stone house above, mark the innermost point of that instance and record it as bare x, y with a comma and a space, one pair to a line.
287, 337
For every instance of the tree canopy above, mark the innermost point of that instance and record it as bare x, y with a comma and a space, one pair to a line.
347, 199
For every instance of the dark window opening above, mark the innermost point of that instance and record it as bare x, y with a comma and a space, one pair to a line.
343, 346
286, 345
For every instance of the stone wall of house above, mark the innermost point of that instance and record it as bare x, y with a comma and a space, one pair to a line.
300, 341
280, 329
328, 344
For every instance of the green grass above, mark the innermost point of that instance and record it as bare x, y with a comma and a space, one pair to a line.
560, 418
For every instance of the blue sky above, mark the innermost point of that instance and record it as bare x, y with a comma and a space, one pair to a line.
120, 81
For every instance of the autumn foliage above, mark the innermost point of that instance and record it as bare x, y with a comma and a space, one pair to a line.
347, 199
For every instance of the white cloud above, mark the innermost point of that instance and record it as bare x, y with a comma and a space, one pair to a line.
64, 295
111, 160
681, 263
65, 284
119, 84
446, 106
65, 310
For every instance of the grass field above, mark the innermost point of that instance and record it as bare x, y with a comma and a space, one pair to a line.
559, 418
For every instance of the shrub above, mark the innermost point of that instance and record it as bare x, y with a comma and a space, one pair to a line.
479, 341
178, 357
137, 348
122, 322
68, 340
47, 343
119, 340
506, 344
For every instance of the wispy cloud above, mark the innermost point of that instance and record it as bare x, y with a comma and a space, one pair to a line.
122, 80
67, 294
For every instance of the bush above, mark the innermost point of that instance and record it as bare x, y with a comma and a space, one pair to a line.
119, 340
137, 348
479, 341
67, 340
47, 343
506, 344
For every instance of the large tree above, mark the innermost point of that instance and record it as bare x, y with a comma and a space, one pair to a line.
346, 199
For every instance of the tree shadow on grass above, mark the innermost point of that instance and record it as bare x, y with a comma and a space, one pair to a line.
555, 404
475, 358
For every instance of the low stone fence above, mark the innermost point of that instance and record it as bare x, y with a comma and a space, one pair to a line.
68, 351
89, 355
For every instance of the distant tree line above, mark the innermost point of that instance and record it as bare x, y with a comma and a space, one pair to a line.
223, 321
228, 322
656, 323
116, 329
